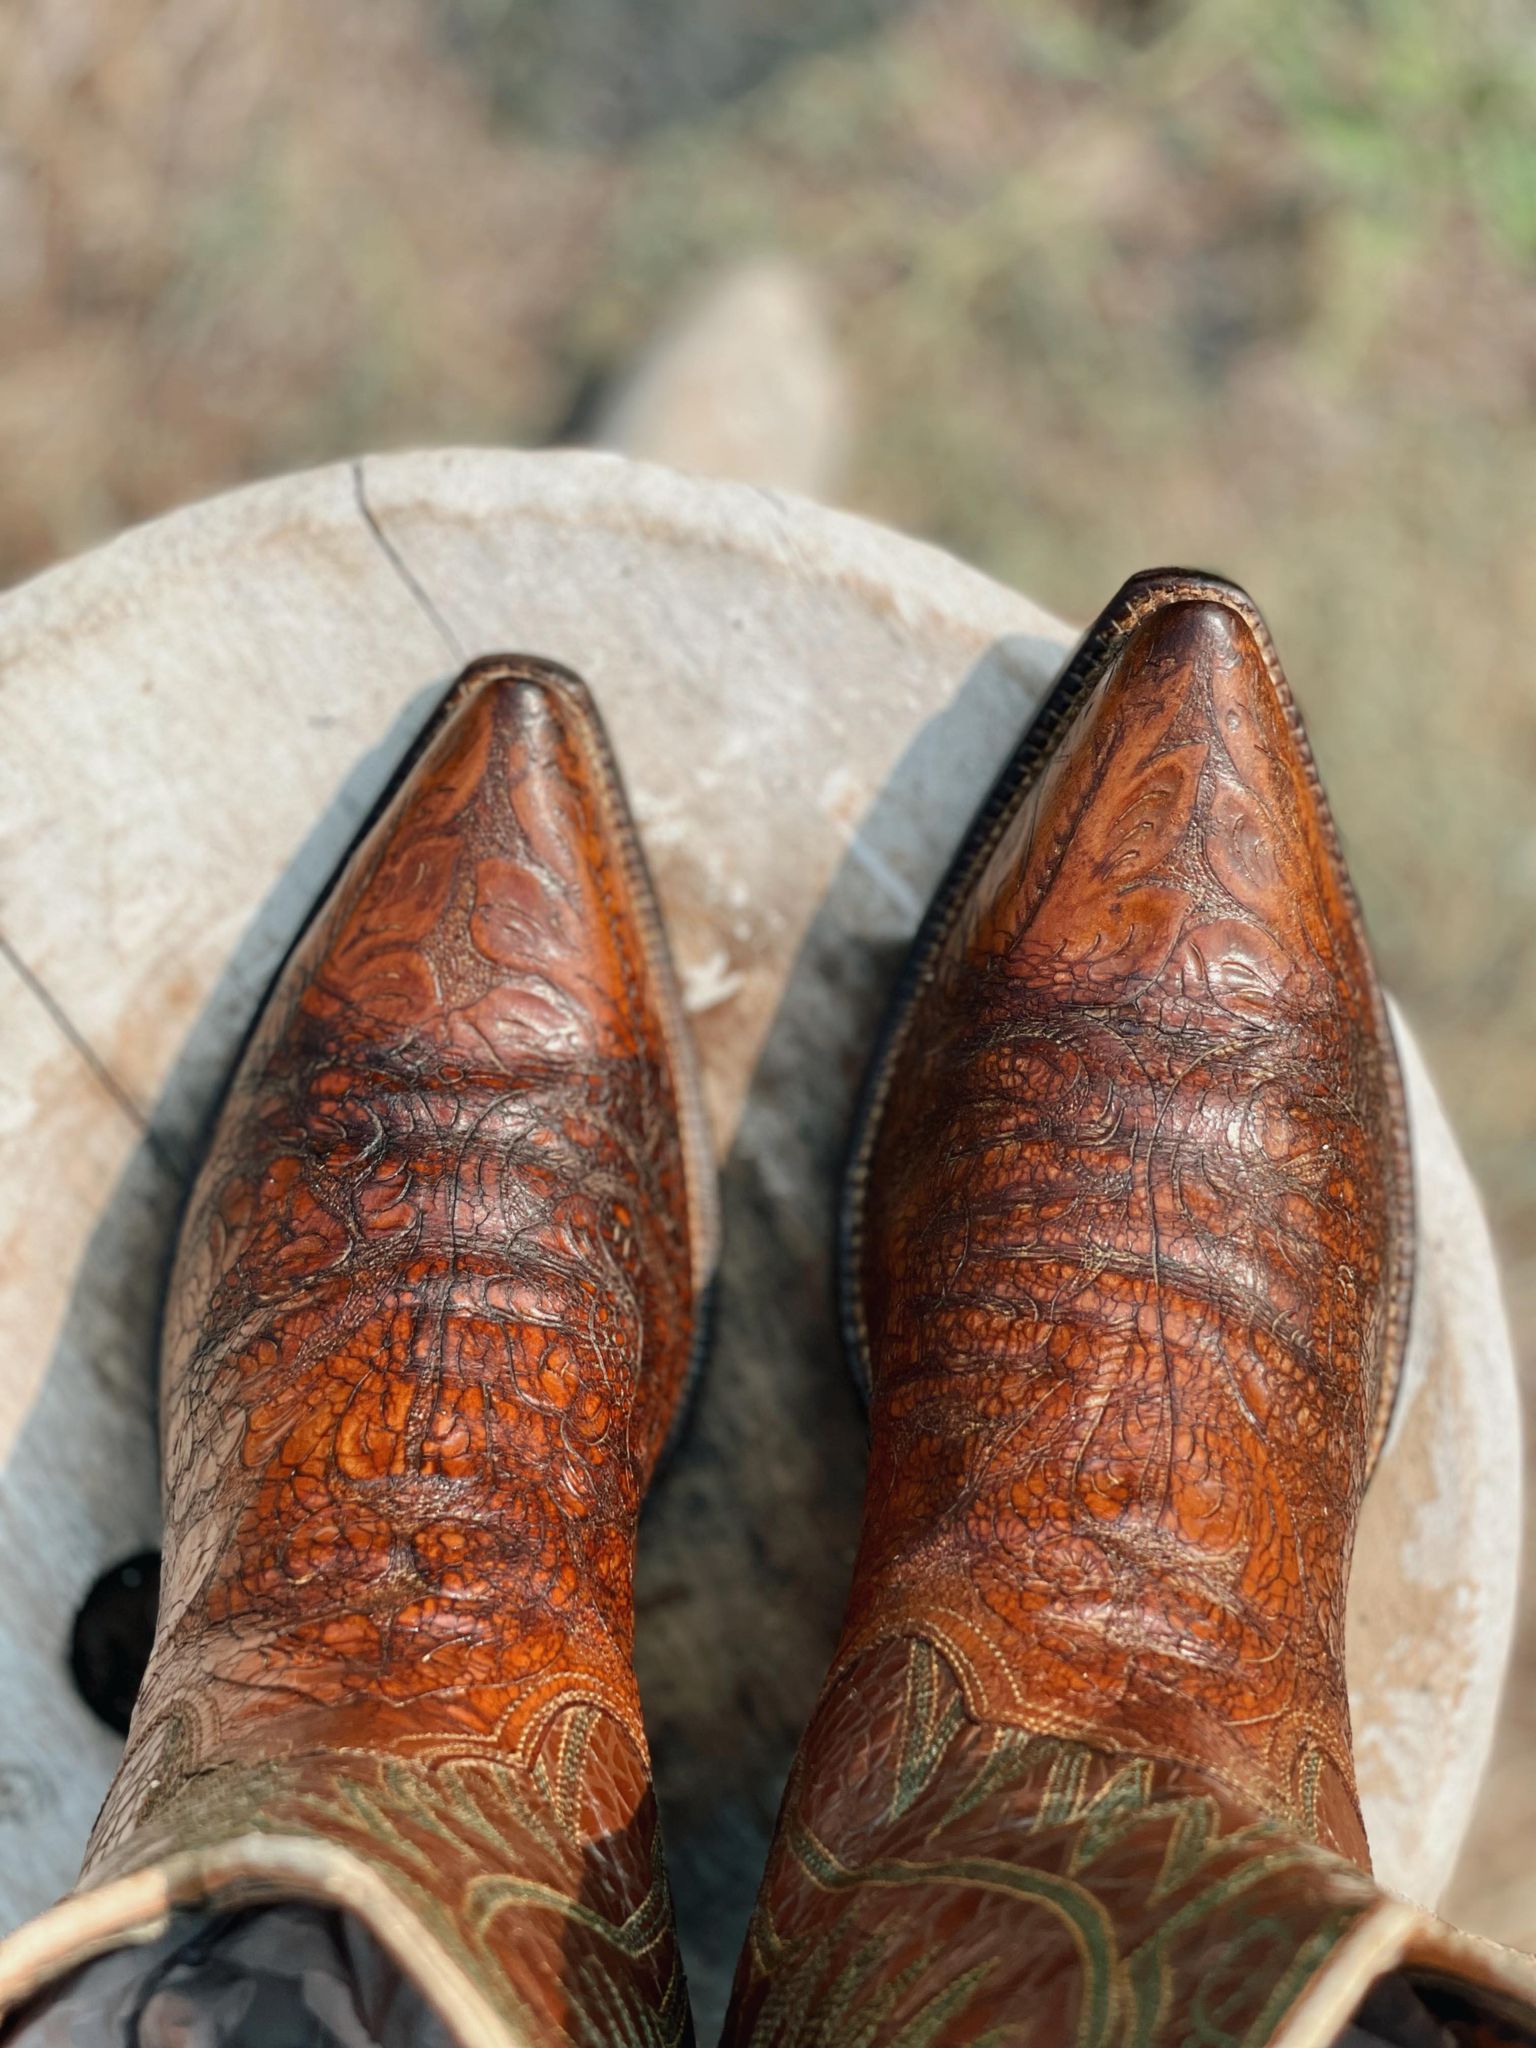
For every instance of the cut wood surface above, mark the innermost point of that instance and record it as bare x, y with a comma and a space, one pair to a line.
806, 708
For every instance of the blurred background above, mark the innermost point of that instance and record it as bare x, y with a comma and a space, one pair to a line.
1069, 288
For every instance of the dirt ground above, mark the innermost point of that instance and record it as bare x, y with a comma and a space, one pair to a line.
1246, 287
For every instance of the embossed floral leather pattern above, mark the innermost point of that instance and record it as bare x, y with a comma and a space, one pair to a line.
433, 1314
957, 1884
1130, 1232
939, 1880
541, 1878
1126, 1269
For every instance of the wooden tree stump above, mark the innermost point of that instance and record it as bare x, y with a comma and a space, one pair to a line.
807, 709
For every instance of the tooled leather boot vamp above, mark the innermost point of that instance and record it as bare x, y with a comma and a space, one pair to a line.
1127, 1255
437, 1288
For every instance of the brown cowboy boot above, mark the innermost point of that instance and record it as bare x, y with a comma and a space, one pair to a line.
1126, 1270
437, 1301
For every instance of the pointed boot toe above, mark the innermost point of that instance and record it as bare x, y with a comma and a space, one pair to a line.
1128, 1228
438, 1298
1125, 1269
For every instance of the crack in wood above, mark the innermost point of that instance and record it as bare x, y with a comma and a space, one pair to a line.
41, 994
403, 569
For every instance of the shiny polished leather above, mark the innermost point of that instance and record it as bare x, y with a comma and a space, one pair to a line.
1130, 1233
1126, 1262
943, 1878
435, 1308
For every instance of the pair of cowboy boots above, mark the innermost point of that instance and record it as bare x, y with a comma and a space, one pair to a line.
1126, 1266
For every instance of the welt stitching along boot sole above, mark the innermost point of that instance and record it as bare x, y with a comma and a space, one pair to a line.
439, 1298
1125, 1259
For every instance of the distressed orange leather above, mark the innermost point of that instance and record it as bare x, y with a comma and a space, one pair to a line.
437, 1298
1126, 1267
1130, 1232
